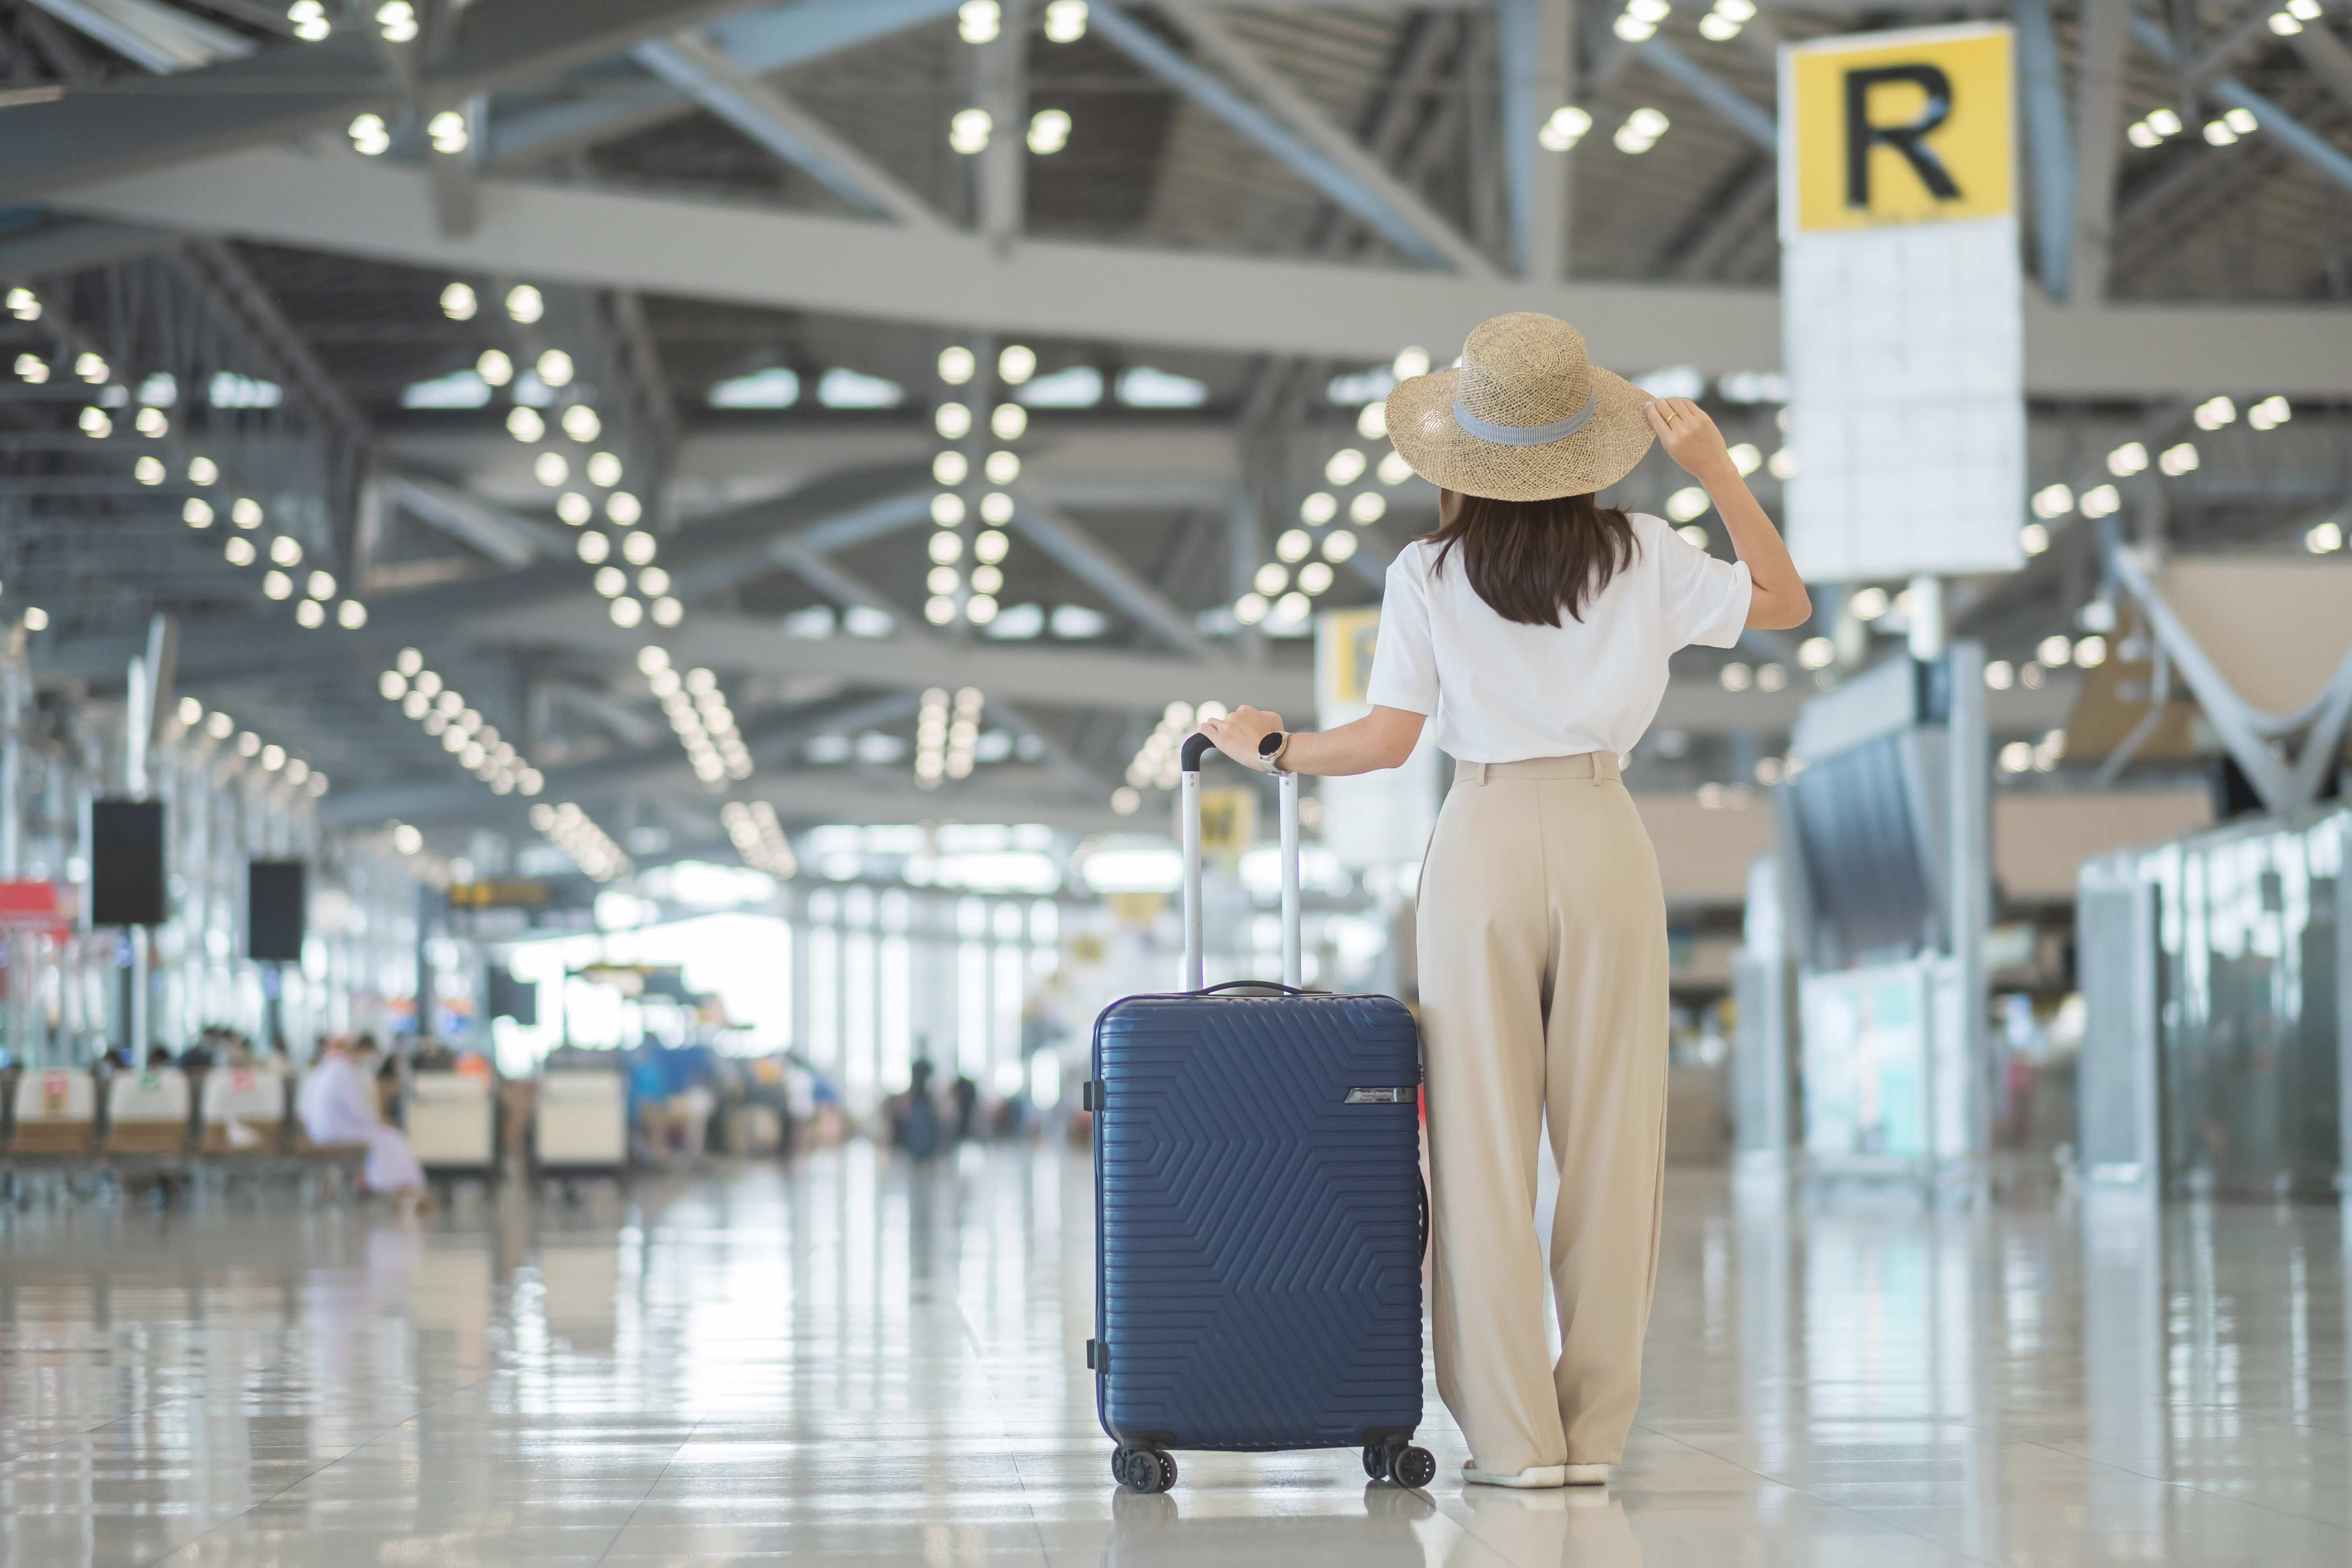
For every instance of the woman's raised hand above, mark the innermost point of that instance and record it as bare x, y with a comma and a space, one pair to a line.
1690, 437
1238, 733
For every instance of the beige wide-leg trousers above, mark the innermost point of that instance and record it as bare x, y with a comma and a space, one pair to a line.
1543, 986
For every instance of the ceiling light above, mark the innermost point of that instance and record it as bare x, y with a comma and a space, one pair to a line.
954, 421
319, 585
447, 132
574, 507
310, 19
32, 368
2055, 650
524, 423
1318, 509
2178, 460
1339, 546
580, 423
1271, 579
2219, 132
652, 581
604, 469
1066, 21
2242, 120
938, 609
1394, 469
368, 137
246, 512
612, 582
311, 615
1346, 466
458, 302
550, 469
665, 611
239, 552
198, 512
979, 609
286, 550
991, 546
2323, 538
623, 507
1294, 545
1368, 507
1003, 468
1016, 364
1564, 130
627, 612
1049, 131
494, 367
397, 21
1009, 420
96, 425
148, 470
987, 580
2052, 501
949, 468
957, 365
1315, 576
595, 547
2270, 413
2127, 459
1250, 609
968, 130
1782, 464
1687, 503
2033, 538
276, 586
1641, 129
152, 424
978, 21
637, 548
525, 304
1372, 421
947, 508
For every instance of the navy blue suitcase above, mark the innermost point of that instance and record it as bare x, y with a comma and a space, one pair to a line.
1260, 1217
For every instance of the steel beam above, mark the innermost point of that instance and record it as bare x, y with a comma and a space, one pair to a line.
348, 205
2098, 143
1757, 126
782, 127
1068, 543
1538, 61
1059, 677
160, 38
1214, 38
287, 92
2049, 143
506, 539
1308, 162
2275, 122
758, 43
75, 243
2327, 57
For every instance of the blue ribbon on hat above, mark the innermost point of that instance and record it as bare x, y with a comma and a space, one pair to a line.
1525, 434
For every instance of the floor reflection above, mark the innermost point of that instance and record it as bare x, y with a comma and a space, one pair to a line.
850, 1357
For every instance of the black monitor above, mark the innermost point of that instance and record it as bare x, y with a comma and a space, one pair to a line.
126, 863
274, 910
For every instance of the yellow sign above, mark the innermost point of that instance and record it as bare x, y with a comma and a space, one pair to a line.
1900, 128
1344, 641
1228, 823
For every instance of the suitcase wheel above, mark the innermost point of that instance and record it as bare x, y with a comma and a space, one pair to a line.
1143, 1469
1399, 1461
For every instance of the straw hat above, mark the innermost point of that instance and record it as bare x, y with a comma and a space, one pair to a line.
1525, 418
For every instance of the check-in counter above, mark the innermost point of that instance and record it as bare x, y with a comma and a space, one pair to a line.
581, 1121
451, 1121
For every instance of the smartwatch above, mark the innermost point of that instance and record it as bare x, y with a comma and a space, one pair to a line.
1269, 749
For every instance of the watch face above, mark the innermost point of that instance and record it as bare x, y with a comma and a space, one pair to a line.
1269, 744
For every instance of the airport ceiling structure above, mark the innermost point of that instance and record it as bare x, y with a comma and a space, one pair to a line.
713, 394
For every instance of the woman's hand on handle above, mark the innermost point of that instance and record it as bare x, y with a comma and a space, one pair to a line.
1238, 733
1778, 601
1383, 738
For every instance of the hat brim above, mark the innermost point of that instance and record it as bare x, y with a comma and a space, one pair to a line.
1421, 427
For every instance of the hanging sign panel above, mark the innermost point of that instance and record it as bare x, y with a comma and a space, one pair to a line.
1901, 299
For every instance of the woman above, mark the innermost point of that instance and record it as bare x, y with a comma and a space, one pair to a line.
1537, 625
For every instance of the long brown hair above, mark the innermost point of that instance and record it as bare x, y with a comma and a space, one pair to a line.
1529, 560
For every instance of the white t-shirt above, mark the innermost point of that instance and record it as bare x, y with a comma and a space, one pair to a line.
1504, 692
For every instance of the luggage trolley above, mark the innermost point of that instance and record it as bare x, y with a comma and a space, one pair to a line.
1260, 1217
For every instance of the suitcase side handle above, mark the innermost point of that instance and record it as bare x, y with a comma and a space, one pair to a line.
1196, 747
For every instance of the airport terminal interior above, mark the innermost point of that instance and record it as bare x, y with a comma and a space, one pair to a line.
601, 604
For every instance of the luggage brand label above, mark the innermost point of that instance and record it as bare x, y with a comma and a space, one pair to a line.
1380, 1096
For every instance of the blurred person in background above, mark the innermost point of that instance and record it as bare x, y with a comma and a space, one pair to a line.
338, 1105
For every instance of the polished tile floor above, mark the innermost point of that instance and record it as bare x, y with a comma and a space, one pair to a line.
848, 1361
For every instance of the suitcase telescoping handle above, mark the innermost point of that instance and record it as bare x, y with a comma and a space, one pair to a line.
1287, 792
